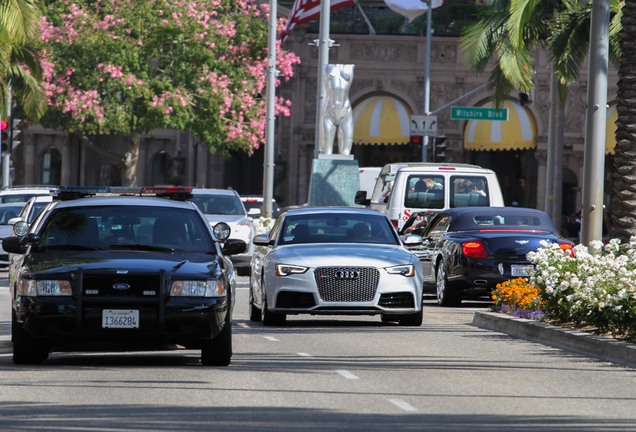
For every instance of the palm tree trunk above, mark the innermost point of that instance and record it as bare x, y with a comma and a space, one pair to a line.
623, 216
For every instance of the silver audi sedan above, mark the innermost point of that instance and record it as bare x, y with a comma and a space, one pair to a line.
334, 261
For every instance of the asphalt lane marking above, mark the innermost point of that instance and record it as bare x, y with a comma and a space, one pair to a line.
271, 338
244, 325
305, 355
346, 374
403, 405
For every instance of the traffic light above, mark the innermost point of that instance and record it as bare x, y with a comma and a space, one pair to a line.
439, 149
415, 147
15, 133
4, 127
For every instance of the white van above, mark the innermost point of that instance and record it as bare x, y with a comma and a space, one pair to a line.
404, 188
368, 178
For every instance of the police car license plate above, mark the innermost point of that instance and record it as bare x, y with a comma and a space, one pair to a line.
120, 318
521, 270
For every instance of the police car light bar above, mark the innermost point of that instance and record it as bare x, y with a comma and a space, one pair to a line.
173, 192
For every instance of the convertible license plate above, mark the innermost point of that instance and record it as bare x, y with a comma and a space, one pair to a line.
119, 318
521, 270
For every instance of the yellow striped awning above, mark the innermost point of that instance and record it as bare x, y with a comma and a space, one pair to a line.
610, 129
519, 132
381, 120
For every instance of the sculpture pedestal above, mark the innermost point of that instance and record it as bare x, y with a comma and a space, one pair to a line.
335, 179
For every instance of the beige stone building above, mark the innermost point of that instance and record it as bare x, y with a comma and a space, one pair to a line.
387, 89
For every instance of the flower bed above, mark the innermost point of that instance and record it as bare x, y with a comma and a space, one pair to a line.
592, 288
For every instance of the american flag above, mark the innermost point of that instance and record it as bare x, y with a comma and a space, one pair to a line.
308, 10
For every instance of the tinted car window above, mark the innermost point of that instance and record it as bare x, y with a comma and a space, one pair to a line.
219, 204
341, 228
126, 227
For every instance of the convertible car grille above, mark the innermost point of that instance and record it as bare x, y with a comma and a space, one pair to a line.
347, 284
121, 286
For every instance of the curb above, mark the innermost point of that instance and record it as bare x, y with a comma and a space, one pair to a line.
622, 353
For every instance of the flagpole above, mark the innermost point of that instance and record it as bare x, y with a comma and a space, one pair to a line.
323, 59
268, 163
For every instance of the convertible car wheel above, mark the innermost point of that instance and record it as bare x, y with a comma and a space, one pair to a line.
446, 295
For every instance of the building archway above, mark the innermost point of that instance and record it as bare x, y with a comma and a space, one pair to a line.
381, 130
161, 168
51, 167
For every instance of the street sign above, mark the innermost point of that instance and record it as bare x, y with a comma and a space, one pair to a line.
423, 125
478, 113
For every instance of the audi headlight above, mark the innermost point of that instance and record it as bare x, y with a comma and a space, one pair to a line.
195, 288
407, 270
50, 288
288, 269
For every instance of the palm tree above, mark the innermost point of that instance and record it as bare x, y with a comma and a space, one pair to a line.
623, 216
20, 71
510, 30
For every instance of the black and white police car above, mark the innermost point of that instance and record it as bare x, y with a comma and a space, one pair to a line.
109, 268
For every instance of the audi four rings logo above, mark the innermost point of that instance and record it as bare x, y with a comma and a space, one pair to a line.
347, 274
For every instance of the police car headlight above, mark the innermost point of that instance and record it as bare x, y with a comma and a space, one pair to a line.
194, 288
45, 288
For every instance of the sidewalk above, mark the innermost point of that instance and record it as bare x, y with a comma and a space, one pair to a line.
622, 353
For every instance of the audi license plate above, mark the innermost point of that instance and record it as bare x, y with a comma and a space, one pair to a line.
521, 270
119, 318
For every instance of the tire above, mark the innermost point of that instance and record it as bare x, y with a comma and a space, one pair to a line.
255, 313
218, 351
412, 320
446, 295
27, 350
270, 318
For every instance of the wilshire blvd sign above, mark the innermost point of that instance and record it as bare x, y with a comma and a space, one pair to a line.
478, 113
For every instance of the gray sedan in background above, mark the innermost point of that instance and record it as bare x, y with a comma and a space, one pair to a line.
334, 261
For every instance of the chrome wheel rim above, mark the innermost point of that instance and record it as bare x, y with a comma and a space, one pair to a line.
441, 282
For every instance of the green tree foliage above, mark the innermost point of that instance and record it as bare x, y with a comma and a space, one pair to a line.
127, 67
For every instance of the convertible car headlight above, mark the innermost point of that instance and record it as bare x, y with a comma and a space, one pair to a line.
195, 288
52, 288
288, 269
407, 270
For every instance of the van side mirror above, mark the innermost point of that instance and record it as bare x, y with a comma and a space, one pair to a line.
361, 198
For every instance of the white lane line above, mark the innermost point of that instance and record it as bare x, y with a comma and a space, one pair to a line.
346, 374
271, 338
305, 355
403, 405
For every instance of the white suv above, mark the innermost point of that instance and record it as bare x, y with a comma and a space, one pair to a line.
225, 205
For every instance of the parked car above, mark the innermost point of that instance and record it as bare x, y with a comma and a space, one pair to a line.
23, 193
334, 261
225, 205
8, 211
138, 272
254, 204
468, 251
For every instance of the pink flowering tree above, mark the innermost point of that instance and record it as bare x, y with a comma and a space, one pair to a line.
127, 67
